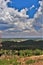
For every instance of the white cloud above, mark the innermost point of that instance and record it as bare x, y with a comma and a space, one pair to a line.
41, 3
0, 31
32, 7
39, 12
19, 20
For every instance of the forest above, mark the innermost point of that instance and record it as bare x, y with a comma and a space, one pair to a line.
28, 44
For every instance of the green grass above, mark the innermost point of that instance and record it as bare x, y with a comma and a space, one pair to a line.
30, 61
33, 61
8, 62
4, 62
13, 61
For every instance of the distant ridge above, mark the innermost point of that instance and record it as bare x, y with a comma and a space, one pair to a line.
27, 44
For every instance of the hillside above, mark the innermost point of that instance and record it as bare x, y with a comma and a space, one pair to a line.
28, 44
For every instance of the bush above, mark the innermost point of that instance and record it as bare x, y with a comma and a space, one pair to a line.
28, 52
21, 53
37, 52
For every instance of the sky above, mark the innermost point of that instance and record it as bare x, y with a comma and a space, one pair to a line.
21, 18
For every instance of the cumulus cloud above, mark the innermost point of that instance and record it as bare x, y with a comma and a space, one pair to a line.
16, 21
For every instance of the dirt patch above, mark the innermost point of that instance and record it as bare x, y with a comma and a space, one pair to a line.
38, 59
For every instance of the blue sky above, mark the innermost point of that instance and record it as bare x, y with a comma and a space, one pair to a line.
21, 18
21, 4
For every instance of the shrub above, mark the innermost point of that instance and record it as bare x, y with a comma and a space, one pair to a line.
28, 52
21, 53
37, 52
